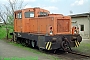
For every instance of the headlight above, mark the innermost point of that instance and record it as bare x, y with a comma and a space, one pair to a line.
51, 32
75, 32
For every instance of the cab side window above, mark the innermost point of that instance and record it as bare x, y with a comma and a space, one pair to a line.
18, 15
42, 14
29, 14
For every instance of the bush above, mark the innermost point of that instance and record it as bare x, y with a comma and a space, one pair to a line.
3, 32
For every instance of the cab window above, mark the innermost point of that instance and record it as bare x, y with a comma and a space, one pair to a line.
43, 13
29, 14
18, 15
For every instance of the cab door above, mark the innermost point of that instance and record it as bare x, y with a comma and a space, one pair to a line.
18, 22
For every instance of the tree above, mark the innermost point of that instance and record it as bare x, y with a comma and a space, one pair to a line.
7, 11
12, 6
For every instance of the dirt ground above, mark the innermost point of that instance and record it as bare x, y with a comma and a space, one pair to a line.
9, 50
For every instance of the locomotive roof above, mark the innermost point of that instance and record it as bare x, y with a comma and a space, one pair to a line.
32, 8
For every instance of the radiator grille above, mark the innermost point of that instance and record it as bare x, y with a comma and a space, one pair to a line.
62, 26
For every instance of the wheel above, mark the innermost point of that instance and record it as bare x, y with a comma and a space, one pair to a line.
22, 41
27, 43
18, 40
33, 43
65, 46
14, 37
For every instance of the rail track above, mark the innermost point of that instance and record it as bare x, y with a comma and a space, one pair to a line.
80, 54
73, 55
70, 55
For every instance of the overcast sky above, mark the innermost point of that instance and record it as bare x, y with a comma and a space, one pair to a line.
59, 6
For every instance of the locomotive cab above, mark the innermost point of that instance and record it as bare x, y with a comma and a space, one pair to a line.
37, 27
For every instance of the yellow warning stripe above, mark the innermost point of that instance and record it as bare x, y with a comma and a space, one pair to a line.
49, 46
77, 43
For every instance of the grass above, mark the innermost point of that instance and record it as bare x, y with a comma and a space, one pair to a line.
3, 32
84, 47
18, 58
35, 51
26, 48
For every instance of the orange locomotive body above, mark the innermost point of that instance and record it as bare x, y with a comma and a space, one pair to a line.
38, 28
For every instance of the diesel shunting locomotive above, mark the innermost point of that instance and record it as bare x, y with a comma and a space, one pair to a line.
36, 27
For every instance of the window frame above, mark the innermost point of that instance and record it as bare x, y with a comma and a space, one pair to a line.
81, 27
43, 13
30, 16
18, 15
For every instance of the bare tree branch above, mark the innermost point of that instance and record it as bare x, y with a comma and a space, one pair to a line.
10, 8
7, 12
